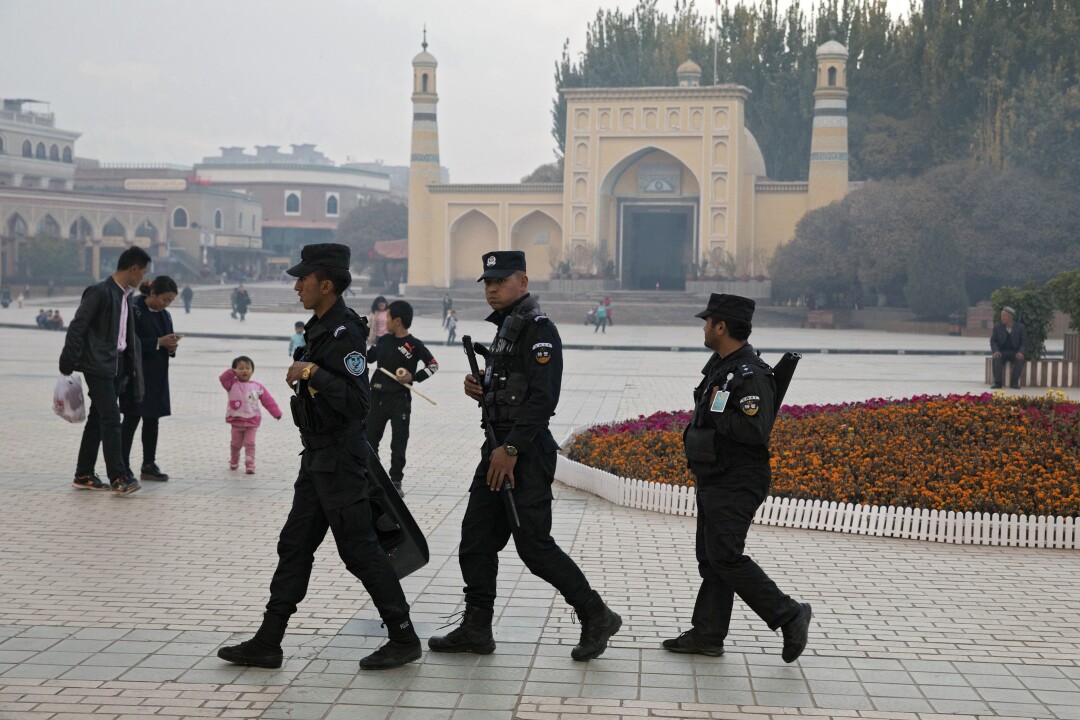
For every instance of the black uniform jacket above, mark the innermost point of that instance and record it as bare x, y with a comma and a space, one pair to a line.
336, 343
90, 343
538, 352
738, 435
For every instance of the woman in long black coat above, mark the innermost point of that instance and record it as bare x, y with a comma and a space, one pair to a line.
153, 325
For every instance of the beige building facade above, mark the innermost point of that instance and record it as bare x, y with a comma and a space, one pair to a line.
657, 182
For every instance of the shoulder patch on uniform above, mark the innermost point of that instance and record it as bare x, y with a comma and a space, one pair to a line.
340, 329
746, 371
542, 352
355, 363
750, 404
541, 319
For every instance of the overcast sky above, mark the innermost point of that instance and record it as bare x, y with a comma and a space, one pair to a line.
174, 80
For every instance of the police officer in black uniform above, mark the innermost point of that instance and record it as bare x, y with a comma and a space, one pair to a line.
727, 448
521, 389
331, 490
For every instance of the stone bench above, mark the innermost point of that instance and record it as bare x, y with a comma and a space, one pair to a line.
827, 319
1048, 372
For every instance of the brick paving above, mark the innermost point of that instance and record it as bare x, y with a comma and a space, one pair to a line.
115, 607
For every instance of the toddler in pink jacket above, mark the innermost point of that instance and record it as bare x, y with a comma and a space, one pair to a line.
243, 413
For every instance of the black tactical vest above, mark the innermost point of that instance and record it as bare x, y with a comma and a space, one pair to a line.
506, 381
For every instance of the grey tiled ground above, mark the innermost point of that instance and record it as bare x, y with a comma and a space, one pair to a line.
115, 607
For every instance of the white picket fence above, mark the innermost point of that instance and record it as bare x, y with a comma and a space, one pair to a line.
965, 528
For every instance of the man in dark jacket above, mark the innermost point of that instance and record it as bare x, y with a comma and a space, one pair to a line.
101, 342
521, 388
727, 449
1008, 342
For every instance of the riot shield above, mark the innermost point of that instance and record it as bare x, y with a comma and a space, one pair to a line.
399, 535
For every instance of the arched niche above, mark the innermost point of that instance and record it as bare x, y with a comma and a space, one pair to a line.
471, 235
540, 236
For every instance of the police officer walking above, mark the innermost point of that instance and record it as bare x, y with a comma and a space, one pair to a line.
727, 448
331, 490
521, 390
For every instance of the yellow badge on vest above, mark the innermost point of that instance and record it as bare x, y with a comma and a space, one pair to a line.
750, 404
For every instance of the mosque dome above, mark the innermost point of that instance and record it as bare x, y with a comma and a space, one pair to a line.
689, 74
832, 48
425, 59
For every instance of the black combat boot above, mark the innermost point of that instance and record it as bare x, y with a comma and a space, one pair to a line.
263, 650
404, 646
598, 623
689, 643
474, 634
796, 631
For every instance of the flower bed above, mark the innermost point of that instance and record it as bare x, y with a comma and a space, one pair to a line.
977, 453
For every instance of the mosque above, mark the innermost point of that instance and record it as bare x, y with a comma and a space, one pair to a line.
656, 180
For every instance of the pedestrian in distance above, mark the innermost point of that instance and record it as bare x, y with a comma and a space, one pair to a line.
243, 413
727, 449
186, 294
451, 326
297, 341
520, 389
601, 317
331, 489
243, 300
447, 305
101, 342
154, 328
400, 353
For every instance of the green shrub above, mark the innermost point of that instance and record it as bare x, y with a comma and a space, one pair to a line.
935, 284
1066, 290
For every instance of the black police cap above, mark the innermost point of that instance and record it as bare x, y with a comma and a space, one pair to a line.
325, 255
502, 263
729, 307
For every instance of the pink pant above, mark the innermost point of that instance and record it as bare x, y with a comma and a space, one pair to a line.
242, 437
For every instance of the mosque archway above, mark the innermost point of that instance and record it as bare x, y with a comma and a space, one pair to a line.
650, 206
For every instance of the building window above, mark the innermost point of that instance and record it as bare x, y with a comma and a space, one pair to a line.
54, 153
217, 220
832, 77
2, 151
331, 204
27, 149
39, 151
179, 218
423, 83
292, 202
67, 155
253, 223
240, 222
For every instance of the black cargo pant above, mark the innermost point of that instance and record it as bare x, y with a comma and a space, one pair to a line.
396, 407
331, 492
726, 508
487, 527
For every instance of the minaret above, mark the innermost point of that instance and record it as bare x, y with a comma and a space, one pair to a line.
423, 166
829, 141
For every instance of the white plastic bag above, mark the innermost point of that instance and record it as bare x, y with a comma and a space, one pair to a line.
68, 400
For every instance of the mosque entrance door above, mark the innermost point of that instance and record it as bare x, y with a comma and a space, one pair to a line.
657, 244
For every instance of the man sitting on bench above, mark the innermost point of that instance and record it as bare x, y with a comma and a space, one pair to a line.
1008, 342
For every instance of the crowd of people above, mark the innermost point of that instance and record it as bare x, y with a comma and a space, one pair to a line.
49, 320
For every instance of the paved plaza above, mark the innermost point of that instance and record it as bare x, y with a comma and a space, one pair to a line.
115, 607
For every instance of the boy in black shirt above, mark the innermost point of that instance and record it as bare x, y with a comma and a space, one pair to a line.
397, 352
